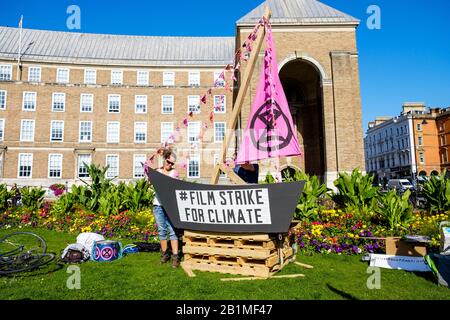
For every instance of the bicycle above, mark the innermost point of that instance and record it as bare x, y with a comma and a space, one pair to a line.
23, 251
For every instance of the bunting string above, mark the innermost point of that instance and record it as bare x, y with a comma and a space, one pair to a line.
241, 55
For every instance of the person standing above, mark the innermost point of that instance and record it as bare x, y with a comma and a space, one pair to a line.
15, 191
247, 172
166, 230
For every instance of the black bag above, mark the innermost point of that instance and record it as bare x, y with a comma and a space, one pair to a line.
73, 256
75, 253
148, 247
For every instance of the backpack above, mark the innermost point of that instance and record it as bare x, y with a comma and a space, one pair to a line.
130, 248
75, 253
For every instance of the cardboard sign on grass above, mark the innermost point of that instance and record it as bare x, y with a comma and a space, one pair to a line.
399, 262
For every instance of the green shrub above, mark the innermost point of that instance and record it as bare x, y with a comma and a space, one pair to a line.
100, 195
356, 194
5, 195
269, 178
64, 205
110, 202
309, 201
139, 196
98, 185
396, 211
437, 193
32, 198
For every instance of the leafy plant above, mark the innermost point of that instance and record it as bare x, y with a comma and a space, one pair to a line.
98, 184
437, 193
356, 193
139, 196
110, 202
32, 198
308, 202
396, 210
269, 178
64, 205
5, 195
82, 196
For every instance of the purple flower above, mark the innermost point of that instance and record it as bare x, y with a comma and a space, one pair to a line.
355, 249
302, 245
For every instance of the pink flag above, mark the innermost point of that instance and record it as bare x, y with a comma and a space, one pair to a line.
270, 131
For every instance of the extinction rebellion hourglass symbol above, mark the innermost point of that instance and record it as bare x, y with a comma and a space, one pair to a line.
270, 139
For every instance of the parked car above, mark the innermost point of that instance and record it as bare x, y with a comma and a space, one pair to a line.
419, 182
401, 185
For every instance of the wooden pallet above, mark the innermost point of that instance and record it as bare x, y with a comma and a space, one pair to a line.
245, 254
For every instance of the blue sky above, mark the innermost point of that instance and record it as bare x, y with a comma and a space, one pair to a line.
408, 59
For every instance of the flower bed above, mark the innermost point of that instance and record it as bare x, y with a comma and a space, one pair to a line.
338, 232
126, 224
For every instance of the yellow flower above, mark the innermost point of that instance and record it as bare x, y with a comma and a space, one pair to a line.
86, 229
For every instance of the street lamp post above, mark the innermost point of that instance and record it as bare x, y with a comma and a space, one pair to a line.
413, 148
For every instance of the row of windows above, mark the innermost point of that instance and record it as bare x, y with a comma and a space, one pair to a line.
402, 160
401, 144
400, 131
27, 129
90, 76
29, 102
55, 165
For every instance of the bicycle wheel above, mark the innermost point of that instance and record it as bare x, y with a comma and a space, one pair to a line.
24, 262
22, 242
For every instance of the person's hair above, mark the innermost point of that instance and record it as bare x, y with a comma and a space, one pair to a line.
167, 153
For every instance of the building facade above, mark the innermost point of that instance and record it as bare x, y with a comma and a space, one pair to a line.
443, 128
114, 100
404, 146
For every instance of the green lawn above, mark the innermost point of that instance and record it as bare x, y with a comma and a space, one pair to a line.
140, 276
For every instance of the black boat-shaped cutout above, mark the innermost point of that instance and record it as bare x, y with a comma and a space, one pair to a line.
258, 208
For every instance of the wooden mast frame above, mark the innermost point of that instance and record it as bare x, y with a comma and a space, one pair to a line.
238, 106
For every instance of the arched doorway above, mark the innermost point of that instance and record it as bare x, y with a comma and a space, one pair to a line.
302, 85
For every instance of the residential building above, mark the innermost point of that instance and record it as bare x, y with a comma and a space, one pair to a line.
403, 146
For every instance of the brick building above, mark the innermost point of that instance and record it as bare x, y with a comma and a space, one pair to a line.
443, 129
112, 99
